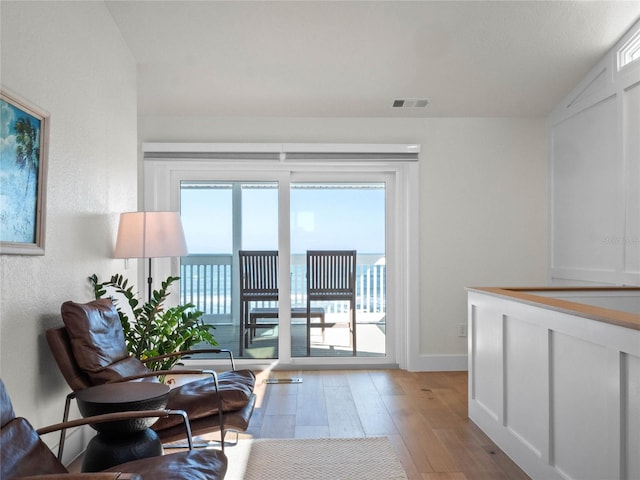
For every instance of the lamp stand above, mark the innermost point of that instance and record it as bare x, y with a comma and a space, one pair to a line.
149, 280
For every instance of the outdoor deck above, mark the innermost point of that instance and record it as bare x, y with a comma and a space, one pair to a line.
370, 339
210, 283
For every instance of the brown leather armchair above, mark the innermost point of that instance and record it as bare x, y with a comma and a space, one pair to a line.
23, 454
90, 350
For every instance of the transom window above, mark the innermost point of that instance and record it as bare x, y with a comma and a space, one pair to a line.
630, 52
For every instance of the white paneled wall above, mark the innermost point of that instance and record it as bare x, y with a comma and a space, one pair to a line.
631, 152
559, 393
595, 177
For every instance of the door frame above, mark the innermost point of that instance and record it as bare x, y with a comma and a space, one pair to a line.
165, 165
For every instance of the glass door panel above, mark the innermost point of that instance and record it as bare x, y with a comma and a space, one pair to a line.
220, 219
206, 273
259, 232
331, 216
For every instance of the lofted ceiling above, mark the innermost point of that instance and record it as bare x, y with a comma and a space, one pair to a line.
354, 58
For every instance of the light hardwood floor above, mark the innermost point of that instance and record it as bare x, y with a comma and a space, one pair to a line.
424, 415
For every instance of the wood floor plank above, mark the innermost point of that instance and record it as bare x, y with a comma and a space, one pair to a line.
311, 431
282, 401
311, 408
278, 426
456, 402
445, 476
335, 378
373, 413
427, 453
512, 470
435, 412
385, 383
410, 468
465, 454
344, 420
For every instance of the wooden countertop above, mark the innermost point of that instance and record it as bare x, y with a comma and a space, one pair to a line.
601, 314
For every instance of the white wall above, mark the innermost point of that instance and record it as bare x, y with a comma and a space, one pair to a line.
595, 171
483, 217
482, 200
69, 59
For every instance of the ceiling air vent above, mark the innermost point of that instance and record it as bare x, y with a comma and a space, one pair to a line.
410, 103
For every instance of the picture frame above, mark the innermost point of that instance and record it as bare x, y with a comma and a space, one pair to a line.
24, 141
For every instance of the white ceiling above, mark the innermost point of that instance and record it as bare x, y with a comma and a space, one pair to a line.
344, 58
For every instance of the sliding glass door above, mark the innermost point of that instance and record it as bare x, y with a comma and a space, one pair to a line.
330, 217
223, 218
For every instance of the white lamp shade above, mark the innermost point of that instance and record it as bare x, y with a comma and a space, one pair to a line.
150, 235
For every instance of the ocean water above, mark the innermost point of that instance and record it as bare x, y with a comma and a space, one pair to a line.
211, 288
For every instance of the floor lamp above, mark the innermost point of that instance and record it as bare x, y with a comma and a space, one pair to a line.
150, 235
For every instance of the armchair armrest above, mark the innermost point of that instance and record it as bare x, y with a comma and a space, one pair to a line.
158, 373
184, 353
84, 476
110, 417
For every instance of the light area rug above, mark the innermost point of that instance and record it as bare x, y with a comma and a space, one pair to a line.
323, 459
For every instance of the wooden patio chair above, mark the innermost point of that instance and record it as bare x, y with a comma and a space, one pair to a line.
258, 283
331, 276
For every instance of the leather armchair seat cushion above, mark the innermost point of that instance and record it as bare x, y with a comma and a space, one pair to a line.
198, 400
193, 464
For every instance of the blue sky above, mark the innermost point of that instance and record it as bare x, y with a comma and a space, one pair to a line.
321, 218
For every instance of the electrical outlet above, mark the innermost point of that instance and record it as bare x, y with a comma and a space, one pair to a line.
462, 330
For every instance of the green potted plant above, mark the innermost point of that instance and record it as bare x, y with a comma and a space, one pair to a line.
154, 330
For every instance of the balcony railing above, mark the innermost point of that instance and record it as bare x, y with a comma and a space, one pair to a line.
208, 282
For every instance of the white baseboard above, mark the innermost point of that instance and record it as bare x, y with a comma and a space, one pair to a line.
439, 363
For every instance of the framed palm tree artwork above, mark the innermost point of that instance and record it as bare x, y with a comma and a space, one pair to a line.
24, 132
